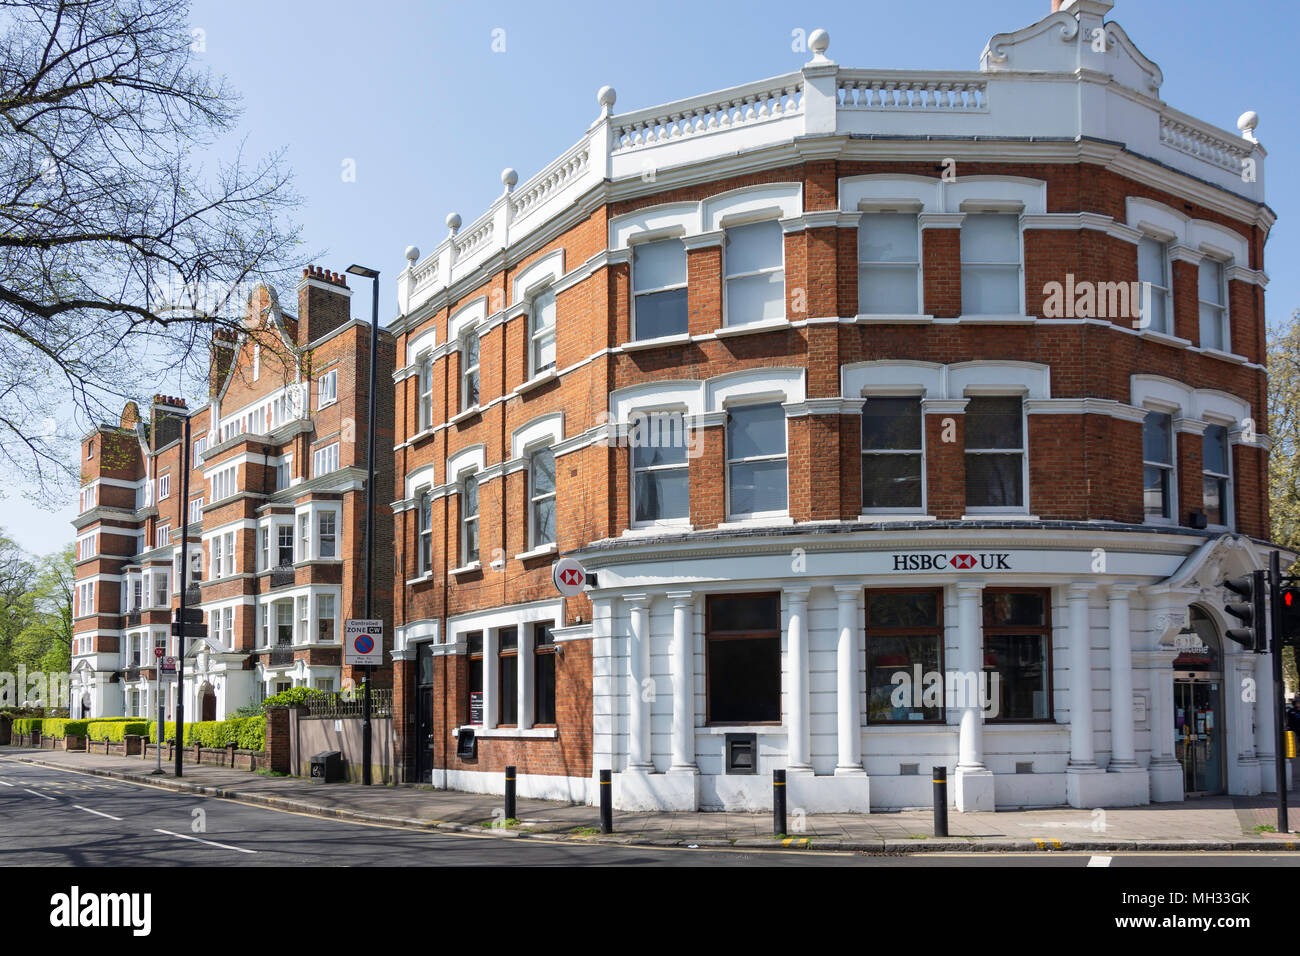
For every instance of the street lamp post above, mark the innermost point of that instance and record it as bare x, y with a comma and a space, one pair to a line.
185, 569
373, 275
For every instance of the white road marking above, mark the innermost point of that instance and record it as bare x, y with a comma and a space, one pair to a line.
43, 796
6, 783
1099, 861
184, 836
97, 813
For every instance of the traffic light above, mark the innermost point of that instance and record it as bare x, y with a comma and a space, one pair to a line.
1254, 636
1289, 616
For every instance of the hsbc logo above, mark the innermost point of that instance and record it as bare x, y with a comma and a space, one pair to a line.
571, 576
962, 561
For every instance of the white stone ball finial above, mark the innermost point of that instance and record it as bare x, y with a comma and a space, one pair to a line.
453, 222
1247, 123
606, 97
819, 42
412, 254
509, 178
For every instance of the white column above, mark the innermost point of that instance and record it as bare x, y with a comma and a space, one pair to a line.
1123, 749
1082, 747
491, 673
1265, 722
799, 744
638, 670
970, 639
846, 685
683, 666
524, 684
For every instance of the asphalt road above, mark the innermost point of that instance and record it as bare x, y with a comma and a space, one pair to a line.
52, 817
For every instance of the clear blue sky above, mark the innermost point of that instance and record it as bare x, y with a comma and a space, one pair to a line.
416, 96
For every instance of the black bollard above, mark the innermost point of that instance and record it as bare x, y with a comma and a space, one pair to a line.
606, 802
778, 803
941, 801
510, 794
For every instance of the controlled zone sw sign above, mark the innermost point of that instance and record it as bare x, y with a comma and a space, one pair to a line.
363, 642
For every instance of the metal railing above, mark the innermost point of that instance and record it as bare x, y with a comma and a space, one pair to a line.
282, 576
350, 705
281, 654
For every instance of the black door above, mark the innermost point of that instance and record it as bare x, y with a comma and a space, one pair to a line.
424, 713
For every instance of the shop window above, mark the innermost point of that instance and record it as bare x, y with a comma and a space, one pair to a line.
904, 655
1017, 648
743, 659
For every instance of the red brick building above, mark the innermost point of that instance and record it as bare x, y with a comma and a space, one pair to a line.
903, 419
273, 529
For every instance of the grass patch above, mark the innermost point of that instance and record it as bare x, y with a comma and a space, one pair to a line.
266, 772
508, 824
1265, 828
584, 831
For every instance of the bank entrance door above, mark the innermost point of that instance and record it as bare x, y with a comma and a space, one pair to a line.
1198, 733
1198, 706
424, 712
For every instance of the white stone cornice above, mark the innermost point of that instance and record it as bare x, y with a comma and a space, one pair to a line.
1181, 253
1084, 406
1239, 273
703, 240
1190, 426
944, 406
824, 406
941, 220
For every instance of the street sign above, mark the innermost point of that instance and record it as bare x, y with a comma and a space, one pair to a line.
193, 615
191, 630
169, 665
158, 652
569, 577
363, 642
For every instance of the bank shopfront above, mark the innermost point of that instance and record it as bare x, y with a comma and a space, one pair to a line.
1042, 664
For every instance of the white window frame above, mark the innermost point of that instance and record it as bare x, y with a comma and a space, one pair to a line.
538, 336
162, 535
534, 498
225, 480
323, 457
1023, 507
335, 520
639, 293
333, 617
1227, 505
303, 537
464, 520
865, 265
196, 510
634, 471
1171, 466
1165, 290
1224, 319
327, 389
867, 454
424, 385
727, 277
164, 486
1020, 263
200, 446
424, 530
470, 371
728, 461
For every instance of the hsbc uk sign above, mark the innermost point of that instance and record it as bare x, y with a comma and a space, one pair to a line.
957, 561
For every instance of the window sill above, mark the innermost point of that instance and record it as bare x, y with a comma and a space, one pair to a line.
424, 578
537, 552
781, 520
532, 733
550, 375
719, 729
663, 341
999, 516
766, 325
1232, 357
419, 436
999, 319
887, 516
324, 405
894, 319
646, 530
1164, 338
466, 569
465, 415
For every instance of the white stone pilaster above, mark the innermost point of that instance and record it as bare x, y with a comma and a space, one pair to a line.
1082, 746
638, 671
799, 743
974, 784
683, 658
848, 722
1123, 749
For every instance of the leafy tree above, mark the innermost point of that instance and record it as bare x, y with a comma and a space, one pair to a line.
17, 576
45, 643
1284, 458
120, 250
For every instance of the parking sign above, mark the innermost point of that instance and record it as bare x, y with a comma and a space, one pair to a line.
363, 642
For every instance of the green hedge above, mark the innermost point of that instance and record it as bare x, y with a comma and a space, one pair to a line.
246, 733
63, 727
116, 728
295, 696
27, 725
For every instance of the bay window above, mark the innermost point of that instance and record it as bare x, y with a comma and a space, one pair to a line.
754, 258
892, 456
283, 622
284, 545
990, 264
658, 289
304, 537
756, 460
889, 264
326, 529
326, 627
995, 453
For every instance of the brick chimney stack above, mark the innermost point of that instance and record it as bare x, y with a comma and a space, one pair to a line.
323, 303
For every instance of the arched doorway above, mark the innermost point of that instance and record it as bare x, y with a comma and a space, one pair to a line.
85, 706
1199, 732
207, 702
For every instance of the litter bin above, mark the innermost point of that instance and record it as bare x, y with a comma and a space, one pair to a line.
327, 767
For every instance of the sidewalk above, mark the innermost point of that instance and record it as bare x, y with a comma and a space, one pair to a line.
1210, 823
